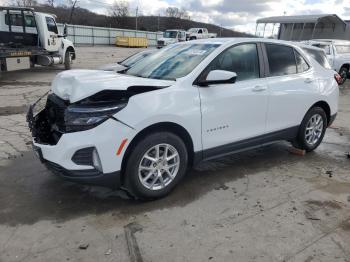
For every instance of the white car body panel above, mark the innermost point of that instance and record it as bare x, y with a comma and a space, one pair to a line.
233, 112
213, 116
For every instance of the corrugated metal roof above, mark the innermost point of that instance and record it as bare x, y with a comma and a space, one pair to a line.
332, 18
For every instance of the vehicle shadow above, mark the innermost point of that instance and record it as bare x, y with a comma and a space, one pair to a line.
30, 193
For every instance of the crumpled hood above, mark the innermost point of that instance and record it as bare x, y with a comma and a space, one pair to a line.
75, 85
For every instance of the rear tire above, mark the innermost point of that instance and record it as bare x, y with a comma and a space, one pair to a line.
67, 61
343, 72
312, 130
148, 174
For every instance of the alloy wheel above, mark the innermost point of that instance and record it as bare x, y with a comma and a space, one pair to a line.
159, 166
314, 129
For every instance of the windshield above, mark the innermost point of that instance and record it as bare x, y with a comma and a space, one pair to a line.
173, 62
170, 34
342, 49
134, 59
319, 56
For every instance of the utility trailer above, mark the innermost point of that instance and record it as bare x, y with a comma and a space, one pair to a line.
32, 36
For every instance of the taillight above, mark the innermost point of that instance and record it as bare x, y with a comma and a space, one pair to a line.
338, 78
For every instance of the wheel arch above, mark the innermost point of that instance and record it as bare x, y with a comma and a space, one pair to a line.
347, 66
159, 127
72, 51
325, 106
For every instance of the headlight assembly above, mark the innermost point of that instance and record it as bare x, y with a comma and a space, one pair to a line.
84, 117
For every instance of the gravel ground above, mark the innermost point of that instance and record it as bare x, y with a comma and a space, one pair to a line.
262, 205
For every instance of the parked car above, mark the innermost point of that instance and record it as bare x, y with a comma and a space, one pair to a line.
128, 62
338, 54
189, 102
171, 37
199, 33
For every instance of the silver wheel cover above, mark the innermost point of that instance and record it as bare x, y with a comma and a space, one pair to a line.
159, 166
314, 129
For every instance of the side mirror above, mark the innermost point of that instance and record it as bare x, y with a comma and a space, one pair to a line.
216, 77
65, 30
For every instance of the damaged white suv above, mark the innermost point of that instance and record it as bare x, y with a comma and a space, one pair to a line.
192, 101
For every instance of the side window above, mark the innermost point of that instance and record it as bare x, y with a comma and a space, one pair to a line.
302, 65
200, 31
16, 19
242, 59
29, 21
281, 60
51, 25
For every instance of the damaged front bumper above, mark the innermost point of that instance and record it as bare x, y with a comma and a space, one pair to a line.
69, 154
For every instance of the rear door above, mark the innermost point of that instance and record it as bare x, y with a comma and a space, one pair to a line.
234, 112
292, 87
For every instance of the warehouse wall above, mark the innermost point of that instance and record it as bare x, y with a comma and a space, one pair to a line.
90, 35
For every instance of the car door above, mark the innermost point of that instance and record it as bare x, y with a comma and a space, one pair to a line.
53, 41
234, 112
292, 87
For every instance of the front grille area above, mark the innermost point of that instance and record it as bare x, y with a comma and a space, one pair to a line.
83, 157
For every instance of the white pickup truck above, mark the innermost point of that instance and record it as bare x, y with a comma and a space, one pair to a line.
199, 33
338, 54
29, 38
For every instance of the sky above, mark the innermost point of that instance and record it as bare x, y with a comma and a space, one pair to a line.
233, 14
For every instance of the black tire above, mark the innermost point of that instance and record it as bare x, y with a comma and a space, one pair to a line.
301, 140
343, 72
67, 61
193, 38
132, 181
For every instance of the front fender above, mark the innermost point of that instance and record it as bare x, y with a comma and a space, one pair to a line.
66, 44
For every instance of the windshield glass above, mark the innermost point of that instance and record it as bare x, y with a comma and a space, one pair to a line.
170, 34
134, 59
173, 62
319, 56
342, 49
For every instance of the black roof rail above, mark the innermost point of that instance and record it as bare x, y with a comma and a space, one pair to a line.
16, 8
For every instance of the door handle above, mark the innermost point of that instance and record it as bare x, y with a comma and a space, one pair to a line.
308, 80
259, 88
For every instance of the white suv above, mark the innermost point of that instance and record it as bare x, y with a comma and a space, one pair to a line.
189, 102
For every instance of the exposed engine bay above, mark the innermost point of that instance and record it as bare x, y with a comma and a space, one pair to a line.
60, 116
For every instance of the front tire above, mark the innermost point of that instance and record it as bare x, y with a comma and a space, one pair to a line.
343, 72
67, 61
311, 130
155, 166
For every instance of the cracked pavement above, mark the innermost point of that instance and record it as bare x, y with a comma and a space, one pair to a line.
261, 205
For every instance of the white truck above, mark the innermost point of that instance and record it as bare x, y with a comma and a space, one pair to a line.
171, 36
32, 38
199, 33
338, 54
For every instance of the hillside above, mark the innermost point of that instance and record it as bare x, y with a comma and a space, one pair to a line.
146, 23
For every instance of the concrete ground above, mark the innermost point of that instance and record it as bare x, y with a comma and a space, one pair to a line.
262, 205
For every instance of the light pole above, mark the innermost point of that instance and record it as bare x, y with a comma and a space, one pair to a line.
137, 10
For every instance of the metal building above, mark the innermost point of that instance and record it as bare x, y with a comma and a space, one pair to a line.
303, 27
